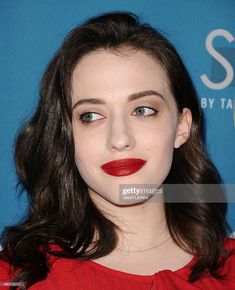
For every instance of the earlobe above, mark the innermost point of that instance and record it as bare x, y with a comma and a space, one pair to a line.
180, 140
183, 128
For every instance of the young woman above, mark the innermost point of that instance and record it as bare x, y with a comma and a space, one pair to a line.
118, 118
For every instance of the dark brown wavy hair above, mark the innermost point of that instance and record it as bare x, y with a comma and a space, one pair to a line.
60, 209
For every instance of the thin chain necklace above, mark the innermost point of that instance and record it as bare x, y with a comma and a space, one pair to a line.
126, 252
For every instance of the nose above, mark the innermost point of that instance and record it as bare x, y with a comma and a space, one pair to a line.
119, 136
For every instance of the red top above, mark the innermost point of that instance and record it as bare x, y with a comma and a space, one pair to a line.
73, 274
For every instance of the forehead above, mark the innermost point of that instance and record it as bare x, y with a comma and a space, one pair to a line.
108, 74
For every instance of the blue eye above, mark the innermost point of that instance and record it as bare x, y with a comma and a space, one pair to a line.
88, 117
144, 111
141, 111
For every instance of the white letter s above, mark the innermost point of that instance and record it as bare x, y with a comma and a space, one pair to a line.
222, 60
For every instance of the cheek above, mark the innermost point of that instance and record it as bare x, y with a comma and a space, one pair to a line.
159, 141
159, 147
84, 153
87, 152
81, 149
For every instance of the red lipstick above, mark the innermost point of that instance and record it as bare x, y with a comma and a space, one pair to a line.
123, 167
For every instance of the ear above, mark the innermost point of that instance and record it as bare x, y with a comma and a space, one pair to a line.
183, 127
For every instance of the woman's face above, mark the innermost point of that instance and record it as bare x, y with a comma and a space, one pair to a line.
123, 109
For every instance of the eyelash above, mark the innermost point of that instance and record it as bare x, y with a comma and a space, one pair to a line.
139, 107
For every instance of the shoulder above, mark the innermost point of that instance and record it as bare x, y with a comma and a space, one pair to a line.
229, 266
7, 272
229, 243
64, 274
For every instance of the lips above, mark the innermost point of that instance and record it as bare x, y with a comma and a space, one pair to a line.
123, 167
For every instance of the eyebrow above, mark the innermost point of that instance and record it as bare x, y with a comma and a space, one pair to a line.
131, 97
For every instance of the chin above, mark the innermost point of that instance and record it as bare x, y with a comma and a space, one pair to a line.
124, 203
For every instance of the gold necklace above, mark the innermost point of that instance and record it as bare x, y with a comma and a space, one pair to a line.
126, 252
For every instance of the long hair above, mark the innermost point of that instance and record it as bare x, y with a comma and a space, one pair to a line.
60, 209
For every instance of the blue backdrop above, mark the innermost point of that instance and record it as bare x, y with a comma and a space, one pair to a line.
203, 32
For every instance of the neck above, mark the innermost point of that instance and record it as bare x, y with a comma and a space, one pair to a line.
144, 239
135, 222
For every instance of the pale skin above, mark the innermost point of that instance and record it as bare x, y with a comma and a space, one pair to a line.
117, 130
